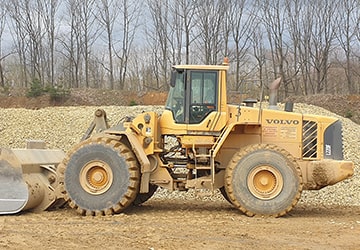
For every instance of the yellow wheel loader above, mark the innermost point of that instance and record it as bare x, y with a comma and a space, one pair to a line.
259, 158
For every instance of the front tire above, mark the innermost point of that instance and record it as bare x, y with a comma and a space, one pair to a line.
263, 180
101, 177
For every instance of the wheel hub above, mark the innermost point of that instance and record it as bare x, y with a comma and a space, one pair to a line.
265, 182
96, 177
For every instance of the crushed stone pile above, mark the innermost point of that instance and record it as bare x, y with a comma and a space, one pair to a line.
63, 127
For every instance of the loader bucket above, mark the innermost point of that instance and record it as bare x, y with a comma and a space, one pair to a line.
28, 179
13, 190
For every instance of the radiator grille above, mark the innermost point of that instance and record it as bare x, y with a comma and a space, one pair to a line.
309, 139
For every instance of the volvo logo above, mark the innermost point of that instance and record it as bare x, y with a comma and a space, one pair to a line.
282, 122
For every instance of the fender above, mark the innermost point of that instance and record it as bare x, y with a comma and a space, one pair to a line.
140, 155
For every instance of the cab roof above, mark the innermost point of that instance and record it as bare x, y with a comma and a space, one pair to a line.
202, 67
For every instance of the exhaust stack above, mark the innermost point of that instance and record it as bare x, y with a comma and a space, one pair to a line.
274, 87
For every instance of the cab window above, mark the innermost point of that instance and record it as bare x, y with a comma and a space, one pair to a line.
176, 98
203, 95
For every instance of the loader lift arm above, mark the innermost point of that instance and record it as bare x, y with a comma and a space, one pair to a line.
99, 124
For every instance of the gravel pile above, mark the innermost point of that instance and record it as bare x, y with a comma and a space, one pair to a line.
62, 127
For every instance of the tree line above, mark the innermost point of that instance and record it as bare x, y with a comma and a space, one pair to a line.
131, 45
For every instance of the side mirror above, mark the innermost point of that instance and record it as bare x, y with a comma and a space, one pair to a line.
173, 78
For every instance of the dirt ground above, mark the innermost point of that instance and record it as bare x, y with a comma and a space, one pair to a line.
178, 223
184, 224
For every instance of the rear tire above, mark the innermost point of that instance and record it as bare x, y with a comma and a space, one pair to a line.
224, 194
101, 177
143, 197
263, 180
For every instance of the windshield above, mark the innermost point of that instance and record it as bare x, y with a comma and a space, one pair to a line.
176, 97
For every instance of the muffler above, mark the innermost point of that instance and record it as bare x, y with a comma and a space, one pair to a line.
273, 95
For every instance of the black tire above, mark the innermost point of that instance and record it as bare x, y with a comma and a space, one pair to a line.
101, 177
143, 197
263, 180
224, 194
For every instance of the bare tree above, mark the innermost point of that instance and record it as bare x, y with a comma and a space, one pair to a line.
34, 23
158, 33
184, 12
323, 34
294, 10
72, 46
356, 50
89, 34
241, 16
346, 35
304, 47
272, 18
2, 27
130, 13
20, 37
79, 44
107, 14
120, 21
210, 15
259, 53
48, 10
35, 44
175, 35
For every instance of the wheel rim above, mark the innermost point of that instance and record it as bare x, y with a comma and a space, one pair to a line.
265, 182
96, 177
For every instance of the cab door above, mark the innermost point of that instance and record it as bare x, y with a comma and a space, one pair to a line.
203, 101
194, 103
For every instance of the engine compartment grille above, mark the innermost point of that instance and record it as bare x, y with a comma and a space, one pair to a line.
310, 144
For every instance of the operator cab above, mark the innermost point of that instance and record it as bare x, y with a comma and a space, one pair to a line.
196, 101
191, 107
